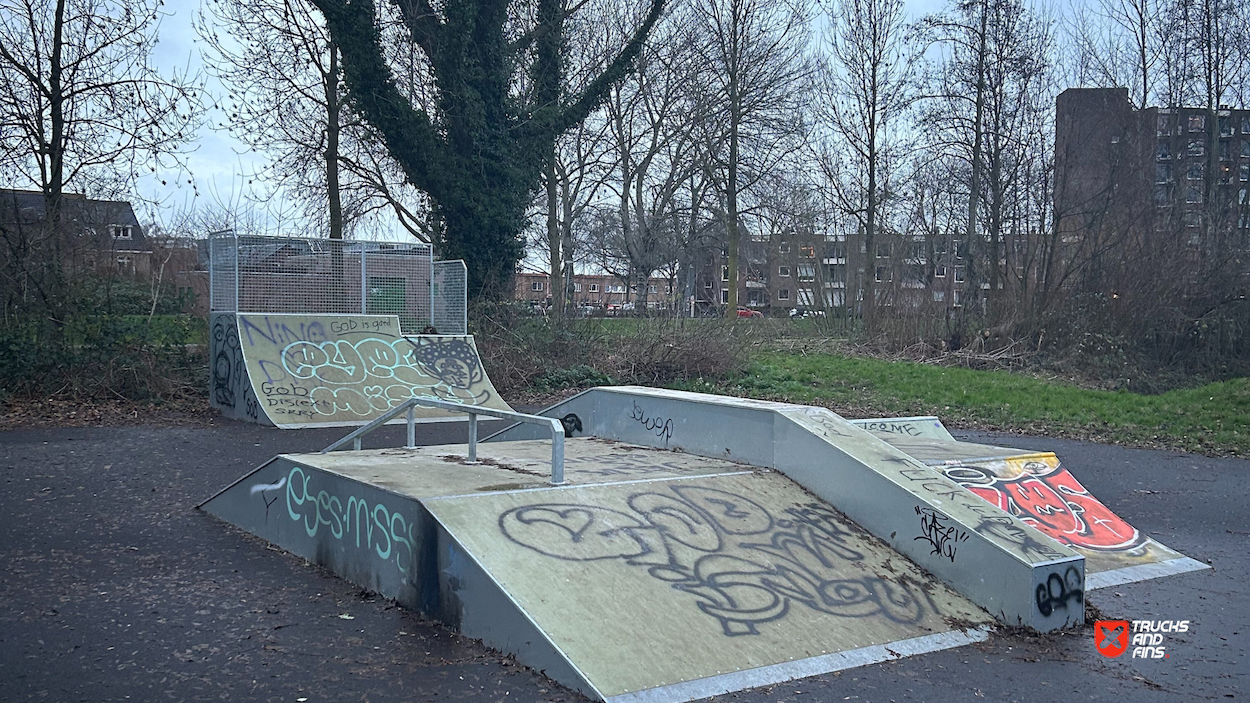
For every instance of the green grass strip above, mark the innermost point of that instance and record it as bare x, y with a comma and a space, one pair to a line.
1211, 419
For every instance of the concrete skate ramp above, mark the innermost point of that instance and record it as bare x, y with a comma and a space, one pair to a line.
652, 576
997, 561
1035, 488
326, 370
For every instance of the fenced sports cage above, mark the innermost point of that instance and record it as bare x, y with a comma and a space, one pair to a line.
254, 274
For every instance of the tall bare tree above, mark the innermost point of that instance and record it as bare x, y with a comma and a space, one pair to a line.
756, 66
287, 101
868, 85
82, 109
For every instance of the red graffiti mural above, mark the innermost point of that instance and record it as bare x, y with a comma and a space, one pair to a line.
1052, 500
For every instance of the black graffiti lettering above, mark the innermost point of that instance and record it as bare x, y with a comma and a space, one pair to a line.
744, 565
1058, 590
662, 427
937, 530
893, 427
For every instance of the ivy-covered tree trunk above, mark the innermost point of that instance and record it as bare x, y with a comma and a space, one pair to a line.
482, 153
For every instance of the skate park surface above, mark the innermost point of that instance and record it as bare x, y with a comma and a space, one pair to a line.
117, 588
662, 575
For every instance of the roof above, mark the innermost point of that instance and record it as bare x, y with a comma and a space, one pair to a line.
93, 218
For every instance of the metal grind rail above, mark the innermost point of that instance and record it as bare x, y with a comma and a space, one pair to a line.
557, 429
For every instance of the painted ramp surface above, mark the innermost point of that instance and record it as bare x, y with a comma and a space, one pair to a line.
1037, 489
679, 589
343, 370
652, 576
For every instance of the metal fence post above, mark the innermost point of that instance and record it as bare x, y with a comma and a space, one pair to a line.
557, 453
412, 426
472, 438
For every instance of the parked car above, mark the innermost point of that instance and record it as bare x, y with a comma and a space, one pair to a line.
744, 312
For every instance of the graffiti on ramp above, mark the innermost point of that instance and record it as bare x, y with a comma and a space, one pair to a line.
327, 370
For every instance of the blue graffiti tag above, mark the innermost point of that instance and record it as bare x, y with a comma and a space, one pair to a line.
388, 534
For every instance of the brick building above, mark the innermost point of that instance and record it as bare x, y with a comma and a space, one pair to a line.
601, 291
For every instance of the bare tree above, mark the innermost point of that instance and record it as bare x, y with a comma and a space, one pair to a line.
287, 100
82, 109
1118, 43
756, 67
868, 81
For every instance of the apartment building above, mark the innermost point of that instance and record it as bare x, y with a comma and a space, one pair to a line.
1174, 177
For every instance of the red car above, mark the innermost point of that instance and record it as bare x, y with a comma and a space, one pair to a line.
743, 312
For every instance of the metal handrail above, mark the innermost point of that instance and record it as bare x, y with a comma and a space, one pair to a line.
557, 429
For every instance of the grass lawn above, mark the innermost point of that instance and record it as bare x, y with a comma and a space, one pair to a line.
1211, 419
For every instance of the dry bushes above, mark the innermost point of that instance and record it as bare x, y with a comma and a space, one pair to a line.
524, 353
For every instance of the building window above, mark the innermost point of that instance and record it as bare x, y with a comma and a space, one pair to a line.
807, 252
1194, 172
783, 294
1165, 125
536, 286
1241, 195
724, 274
835, 273
1163, 173
724, 297
783, 248
1196, 148
1226, 149
121, 231
124, 261
883, 250
1245, 148
956, 298
1245, 125
651, 288
939, 271
1193, 195
1193, 219
1163, 195
1197, 123
1226, 126
807, 272
939, 296
807, 297
882, 274
577, 287
594, 287
959, 250
1165, 150
959, 274
837, 251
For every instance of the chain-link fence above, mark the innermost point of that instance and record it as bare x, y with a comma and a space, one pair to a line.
451, 281
292, 275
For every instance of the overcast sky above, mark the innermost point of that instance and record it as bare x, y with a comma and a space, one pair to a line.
219, 164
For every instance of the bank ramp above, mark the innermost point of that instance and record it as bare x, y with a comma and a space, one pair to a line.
699, 544
1035, 487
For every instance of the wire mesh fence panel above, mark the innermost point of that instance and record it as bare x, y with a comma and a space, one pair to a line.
449, 297
293, 275
223, 272
398, 283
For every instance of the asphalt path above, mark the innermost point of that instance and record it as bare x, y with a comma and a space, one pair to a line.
114, 587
